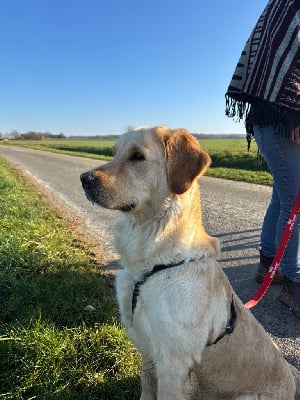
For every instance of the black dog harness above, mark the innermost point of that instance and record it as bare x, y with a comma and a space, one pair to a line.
160, 267
156, 268
229, 326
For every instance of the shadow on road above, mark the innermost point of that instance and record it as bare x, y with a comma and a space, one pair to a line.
239, 258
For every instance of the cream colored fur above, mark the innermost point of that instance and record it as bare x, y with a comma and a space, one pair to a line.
180, 311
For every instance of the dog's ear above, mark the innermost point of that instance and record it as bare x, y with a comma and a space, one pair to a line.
185, 160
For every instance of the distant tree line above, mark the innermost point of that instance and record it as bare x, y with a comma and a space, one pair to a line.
198, 136
202, 136
95, 137
32, 135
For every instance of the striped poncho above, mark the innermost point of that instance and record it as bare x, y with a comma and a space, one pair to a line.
268, 72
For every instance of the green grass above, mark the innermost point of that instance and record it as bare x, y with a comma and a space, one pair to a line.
101, 149
50, 346
230, 158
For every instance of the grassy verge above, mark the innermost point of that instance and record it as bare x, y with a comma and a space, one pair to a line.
230, 158
52, 346
98, 149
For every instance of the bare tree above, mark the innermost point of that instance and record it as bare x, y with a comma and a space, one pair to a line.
14, 135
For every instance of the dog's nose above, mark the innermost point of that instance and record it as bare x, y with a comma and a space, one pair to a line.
87, 178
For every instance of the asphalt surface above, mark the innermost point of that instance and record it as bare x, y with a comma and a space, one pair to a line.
232, 211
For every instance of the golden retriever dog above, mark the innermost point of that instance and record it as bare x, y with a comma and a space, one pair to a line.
197, 339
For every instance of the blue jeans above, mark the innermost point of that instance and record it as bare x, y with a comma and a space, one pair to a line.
283, 158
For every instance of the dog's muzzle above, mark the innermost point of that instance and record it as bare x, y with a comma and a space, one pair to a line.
90, 183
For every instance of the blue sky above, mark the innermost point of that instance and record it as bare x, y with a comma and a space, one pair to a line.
87, 67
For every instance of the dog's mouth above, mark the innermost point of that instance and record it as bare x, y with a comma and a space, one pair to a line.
89, 197
94, 200
102, 203
126, 208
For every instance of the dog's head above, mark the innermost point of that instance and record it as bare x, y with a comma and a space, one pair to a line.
149, 165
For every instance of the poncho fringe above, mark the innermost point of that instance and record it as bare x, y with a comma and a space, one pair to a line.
267, 75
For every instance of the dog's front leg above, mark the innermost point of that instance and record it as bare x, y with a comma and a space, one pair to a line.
176, 381
149, 386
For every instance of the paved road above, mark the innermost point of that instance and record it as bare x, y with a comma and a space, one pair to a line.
232, 211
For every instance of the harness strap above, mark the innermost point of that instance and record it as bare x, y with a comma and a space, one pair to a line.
229, 326
156, 268
160, 267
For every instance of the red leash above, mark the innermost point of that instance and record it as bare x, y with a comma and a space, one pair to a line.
278, 256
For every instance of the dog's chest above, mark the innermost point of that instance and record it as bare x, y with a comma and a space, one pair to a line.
167, 315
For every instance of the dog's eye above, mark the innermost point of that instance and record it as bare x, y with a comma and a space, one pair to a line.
137, 156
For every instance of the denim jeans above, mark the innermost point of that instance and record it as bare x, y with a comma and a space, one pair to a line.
283, 158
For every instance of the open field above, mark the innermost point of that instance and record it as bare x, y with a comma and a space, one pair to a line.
59, 334
230, 158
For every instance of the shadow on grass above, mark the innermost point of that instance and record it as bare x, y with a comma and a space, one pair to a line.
60, 339
125, 389
59, 297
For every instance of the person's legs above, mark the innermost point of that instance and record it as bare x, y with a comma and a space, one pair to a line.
269, 227
283, 158
268, 245
268, 232
290, 157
